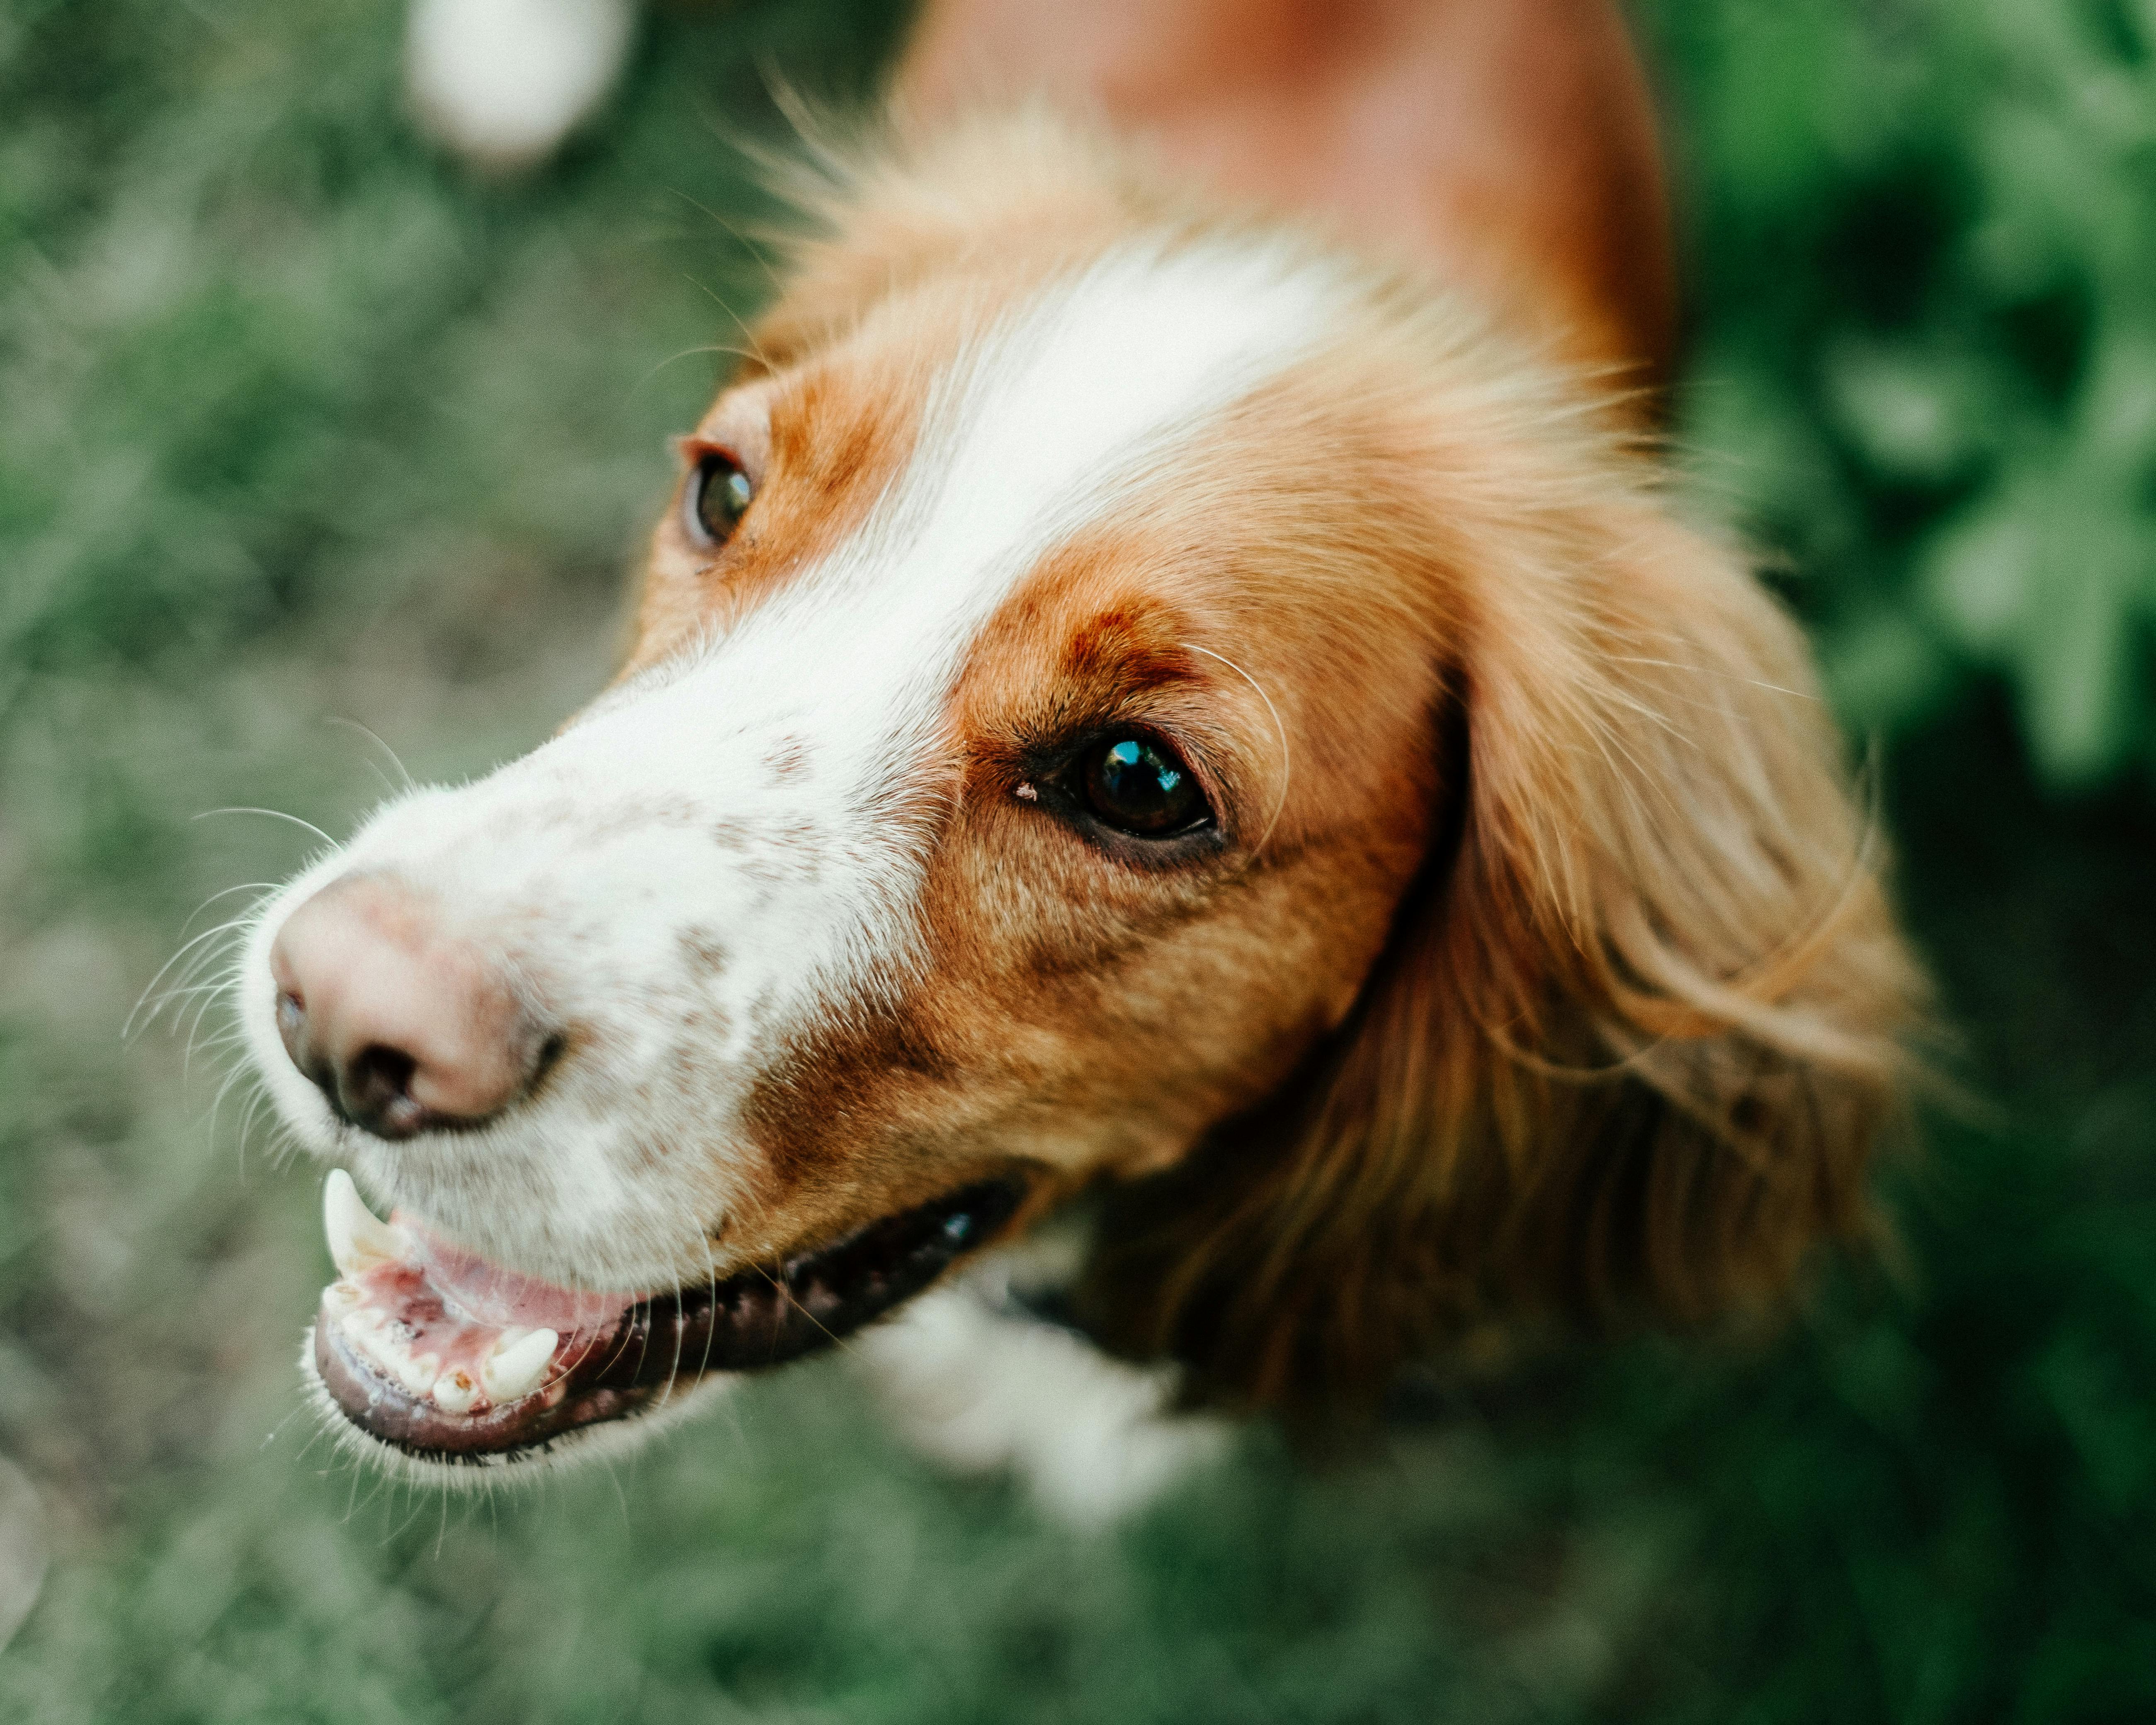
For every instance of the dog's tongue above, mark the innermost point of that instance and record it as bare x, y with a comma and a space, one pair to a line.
487, 1294
430, 1347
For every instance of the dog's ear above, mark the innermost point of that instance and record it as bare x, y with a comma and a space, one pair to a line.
1637, 1028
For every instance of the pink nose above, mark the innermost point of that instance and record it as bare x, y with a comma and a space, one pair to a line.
403, 1029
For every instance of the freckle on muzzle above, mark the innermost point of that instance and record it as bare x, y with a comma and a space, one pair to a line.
419, 1352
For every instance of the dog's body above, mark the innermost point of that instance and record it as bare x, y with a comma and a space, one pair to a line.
1136, 691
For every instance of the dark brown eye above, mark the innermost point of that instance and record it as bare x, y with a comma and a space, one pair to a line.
718, 496
1140, 787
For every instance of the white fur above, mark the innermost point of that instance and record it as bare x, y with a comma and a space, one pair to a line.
980, 1389
506, 81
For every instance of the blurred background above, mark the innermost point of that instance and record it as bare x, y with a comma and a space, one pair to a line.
300, 423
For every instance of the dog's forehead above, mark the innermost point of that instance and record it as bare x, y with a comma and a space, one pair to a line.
1030, 426
1034, 421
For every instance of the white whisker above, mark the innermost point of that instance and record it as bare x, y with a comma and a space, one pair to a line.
272, 814
403, 773
1280, 805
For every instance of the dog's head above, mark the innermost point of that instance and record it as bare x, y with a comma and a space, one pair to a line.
1117, 696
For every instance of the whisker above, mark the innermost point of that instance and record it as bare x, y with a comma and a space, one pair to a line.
748, 334
1708, 670
227, 892
619, 1495
843, 1343
375, 737
186, 1059
1280, 806
127, 1025
270, 1436
735, 232
255, 1100
686, 353
187, 991
274, 814
712, 1282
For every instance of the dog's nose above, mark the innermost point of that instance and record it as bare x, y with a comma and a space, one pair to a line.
404, 1029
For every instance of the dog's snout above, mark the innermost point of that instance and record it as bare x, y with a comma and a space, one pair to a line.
403, 1027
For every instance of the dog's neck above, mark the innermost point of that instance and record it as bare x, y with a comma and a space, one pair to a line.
1509, 144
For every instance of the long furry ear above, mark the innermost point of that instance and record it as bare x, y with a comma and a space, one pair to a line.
1636, 1031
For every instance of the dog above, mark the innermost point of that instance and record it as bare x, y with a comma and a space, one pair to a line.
1183, 823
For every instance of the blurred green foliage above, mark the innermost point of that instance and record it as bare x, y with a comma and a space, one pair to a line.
297, 421
1925, 253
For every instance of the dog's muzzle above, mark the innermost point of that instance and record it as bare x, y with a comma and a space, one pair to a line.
435, 1352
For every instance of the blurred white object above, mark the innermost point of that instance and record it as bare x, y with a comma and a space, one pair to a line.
23, 1548
504, 81
978, 1384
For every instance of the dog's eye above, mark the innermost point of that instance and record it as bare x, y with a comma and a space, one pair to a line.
1141, 788
718, 496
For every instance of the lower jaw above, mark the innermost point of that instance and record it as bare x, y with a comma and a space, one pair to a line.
659, 1347
414, 1425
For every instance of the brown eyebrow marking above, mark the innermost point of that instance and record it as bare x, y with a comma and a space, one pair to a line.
1127, 652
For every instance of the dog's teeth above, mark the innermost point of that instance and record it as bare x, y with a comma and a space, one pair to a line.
519, 1360
382, 1341
455, 1392
359, 1240
342, 1296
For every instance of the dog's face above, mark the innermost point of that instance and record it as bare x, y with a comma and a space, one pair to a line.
991, 786
1018, 762
1031, 733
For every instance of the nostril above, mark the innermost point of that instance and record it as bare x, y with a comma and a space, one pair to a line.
292, 1031
374, 1090
550, 1054
291, 1022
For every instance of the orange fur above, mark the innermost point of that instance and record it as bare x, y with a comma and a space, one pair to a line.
1507, 145
1554, 971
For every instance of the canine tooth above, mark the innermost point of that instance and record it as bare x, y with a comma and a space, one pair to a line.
518, 1361
455, 1392
342, 1295
359, 1240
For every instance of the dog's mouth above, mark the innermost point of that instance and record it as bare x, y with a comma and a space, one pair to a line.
439, 1353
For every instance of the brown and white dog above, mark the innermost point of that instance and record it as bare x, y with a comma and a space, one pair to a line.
1170, 675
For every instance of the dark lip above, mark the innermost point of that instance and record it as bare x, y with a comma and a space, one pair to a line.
762, 1318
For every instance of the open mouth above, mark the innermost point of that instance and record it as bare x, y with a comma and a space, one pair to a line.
437, 1352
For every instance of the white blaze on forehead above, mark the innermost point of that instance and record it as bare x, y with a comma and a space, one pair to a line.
1041, 426
1044, 424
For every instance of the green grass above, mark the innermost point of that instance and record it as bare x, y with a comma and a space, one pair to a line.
296, 423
